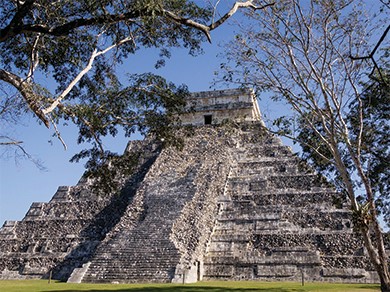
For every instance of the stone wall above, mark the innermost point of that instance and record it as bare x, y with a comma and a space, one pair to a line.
233, 204
177, 201
220, 106
62, 234
191, 231
279, 221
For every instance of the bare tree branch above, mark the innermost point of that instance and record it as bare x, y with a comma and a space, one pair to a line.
87, 68
16, 26
372, 54
13, 28
207, 28
17, 145
26, 90
10, 141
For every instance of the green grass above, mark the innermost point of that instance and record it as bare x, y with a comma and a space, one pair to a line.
43, 285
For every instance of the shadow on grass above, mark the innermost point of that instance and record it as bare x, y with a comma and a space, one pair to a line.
369, 286
188, 289
218, 289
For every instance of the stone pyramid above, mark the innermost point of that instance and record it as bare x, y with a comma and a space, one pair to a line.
233, 204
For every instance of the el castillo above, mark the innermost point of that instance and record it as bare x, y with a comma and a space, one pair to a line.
233, 204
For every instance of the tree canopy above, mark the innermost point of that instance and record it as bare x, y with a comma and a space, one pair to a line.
324, 59
77, 45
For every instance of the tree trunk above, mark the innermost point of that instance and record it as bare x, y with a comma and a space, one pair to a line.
385, 280
377, 251
379, 261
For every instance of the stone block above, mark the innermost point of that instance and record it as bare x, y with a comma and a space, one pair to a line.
344, 273
276, 271
37, 270
258, 185
219, 271
35, 211
62, 194
244, 272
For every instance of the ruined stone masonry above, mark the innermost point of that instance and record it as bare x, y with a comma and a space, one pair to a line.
233, 204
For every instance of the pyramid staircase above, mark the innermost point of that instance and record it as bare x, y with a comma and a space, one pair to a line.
147, 244
56, 237
233, 204
278, 221
143, 253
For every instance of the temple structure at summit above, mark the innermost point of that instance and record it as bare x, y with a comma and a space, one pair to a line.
216, 107
233, 204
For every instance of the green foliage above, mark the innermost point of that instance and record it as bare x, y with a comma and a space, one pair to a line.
57, 40
107, 170
150, 106
375, 139
316, 56
67, 47
315, 151
300, 52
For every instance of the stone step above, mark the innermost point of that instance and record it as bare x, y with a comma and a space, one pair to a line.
268, 184
133, 269
289, 199
238, 209
138, 260
128, 278
267, 150
134, 272
135, 260
130, 274
292, 258
124, 279
266, 168
78, 273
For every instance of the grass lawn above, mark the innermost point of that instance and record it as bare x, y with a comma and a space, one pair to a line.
43, 285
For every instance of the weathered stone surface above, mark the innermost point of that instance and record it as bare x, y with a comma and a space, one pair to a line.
279, 220
61, 235
215, 107
233, 204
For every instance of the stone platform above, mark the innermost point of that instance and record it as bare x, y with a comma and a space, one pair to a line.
233, 204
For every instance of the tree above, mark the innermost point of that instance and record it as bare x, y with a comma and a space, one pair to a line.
302, 52
77, 45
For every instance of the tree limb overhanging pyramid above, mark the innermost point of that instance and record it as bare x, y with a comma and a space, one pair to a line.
233, 204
